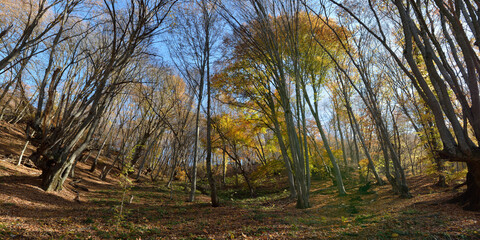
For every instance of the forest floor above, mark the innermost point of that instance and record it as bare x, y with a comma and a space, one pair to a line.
157, 212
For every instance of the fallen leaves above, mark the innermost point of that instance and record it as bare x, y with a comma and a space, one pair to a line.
28, 212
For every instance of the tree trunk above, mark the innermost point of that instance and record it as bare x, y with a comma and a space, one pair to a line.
298, 159
470, 199
56, 165
327, 169
85, 158
174, 167
144, 160
314, 110
224, 165
247, 180
211, 180
55, 175
285, 157
95, 161
238, 162
106, 170
441, 181
195, 150
336, 168
23, 152
389, 176
139, 149
72, 171
344, 155
10, 97
356, 129
355, 145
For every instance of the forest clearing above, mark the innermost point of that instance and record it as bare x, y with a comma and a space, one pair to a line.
239, 119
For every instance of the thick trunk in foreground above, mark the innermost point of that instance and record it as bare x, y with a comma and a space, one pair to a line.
57, 163
470, 199
56, 172
55, 175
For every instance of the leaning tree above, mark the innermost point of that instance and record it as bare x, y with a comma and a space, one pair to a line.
102, 67
436, 45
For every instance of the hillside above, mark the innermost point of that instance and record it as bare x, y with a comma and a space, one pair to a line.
156, 212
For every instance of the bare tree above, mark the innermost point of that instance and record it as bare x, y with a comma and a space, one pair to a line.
34, 28
198, 34
121, 35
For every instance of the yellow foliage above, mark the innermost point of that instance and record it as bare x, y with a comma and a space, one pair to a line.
363, 165
363, 162
272, 168
180, 175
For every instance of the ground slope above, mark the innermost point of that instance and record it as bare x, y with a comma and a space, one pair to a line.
92, 209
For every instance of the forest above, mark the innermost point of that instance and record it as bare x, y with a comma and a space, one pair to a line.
239, 119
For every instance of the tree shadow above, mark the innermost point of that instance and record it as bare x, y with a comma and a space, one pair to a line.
27, 188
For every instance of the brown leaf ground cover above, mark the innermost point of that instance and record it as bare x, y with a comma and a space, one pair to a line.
157, 212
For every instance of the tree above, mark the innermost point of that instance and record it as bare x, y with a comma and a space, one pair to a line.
121, 35
345, 92
359, 53
267, 20
236, 132
451, 61
313, 69
198, 30
25, 32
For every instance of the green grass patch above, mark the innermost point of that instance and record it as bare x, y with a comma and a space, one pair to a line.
314, 221
364, 218
348, 234
259, 216
104, 234
352, 209
410, 212
106, 202
88, 220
